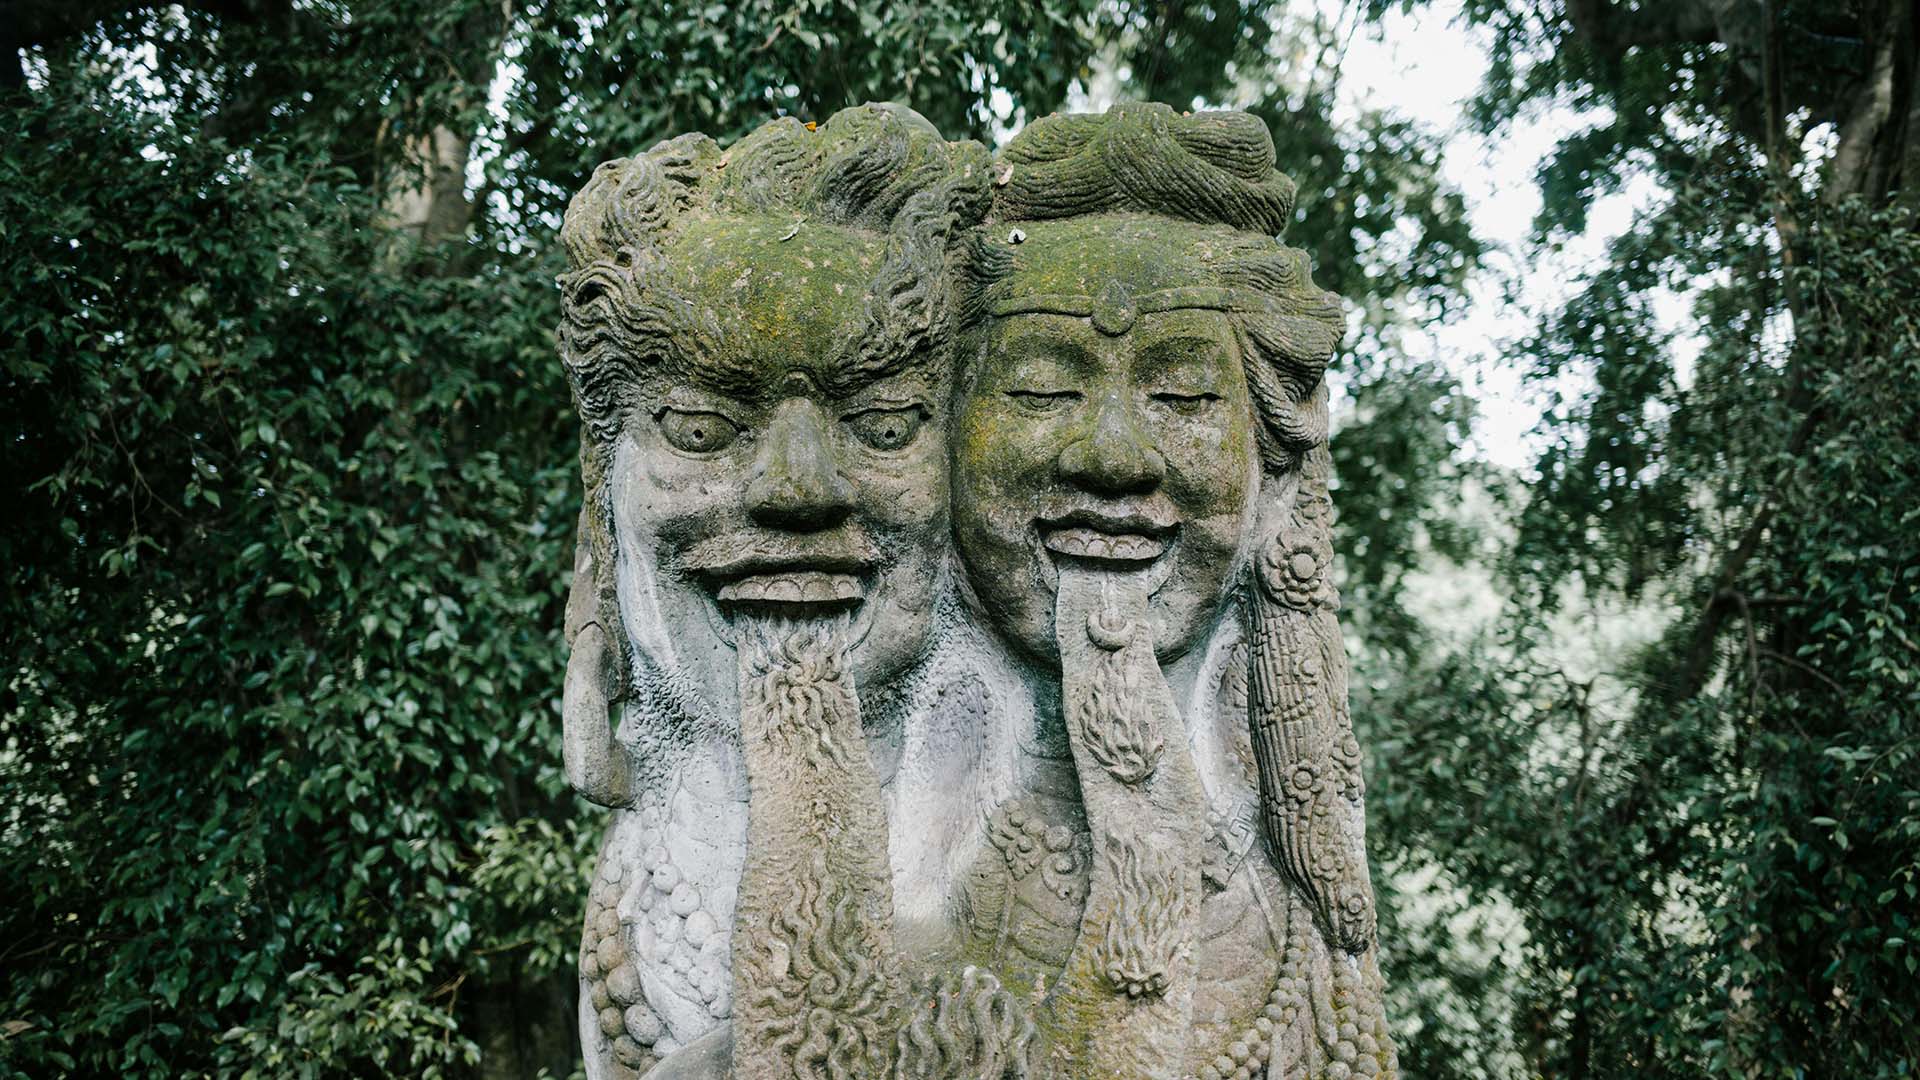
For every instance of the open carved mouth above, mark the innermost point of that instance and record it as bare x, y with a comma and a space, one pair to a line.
798, 586
1086, 543
790, 586
797, 581
1106, 541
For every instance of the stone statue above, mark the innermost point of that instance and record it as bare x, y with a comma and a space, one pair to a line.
951, 632
759, 341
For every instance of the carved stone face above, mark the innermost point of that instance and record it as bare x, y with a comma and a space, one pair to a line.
776, 470
1104, 422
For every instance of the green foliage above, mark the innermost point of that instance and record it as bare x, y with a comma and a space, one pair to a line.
1824, 668
281, 636
1707, 844
602, 81
1401, 489
291, 499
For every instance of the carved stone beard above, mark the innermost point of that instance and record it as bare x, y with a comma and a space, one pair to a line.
1123, 1005
821, 990
814, 966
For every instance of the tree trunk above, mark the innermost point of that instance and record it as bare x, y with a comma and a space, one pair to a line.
524, 1026
435, 209
1861, 133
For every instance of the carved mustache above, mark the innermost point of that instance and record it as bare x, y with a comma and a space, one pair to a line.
739, 553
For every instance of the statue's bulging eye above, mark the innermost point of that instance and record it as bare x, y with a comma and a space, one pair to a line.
1043, 402
697, 432
886, 429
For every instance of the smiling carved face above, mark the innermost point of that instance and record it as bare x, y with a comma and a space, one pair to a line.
1102, 422
785, 472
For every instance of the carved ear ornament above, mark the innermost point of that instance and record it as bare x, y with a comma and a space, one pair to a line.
1294, 573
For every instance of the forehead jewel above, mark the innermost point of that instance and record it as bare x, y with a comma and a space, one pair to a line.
1114, 310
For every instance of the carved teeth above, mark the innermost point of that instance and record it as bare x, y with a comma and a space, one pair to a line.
793, 587
1094, 544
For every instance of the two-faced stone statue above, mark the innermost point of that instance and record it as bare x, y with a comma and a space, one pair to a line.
951, 631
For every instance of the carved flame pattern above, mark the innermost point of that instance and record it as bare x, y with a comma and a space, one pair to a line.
1144, 932
1119, 725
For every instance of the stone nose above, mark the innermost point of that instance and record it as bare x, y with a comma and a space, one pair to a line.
797, 483
1113, 456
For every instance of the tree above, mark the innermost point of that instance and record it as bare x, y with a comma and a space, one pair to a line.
1717, 871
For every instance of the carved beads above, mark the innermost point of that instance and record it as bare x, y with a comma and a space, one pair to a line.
612, 983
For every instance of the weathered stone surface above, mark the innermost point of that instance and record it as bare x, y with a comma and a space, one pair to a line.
952, 638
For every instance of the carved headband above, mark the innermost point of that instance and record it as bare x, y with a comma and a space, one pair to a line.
1116, 309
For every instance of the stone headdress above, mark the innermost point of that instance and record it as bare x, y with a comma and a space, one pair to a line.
1217, 169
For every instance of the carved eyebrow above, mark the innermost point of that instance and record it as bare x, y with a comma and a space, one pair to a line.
848, 371
1178, 346
713, 366
1180, 352
706, 350
666, 335
1060, 349
903, 325
691, 395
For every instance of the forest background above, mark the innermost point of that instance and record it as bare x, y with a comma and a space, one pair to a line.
290, 490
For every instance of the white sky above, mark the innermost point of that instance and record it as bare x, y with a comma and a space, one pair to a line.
1425, 67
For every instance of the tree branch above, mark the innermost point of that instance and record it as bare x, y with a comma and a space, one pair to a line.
1611, 29
1872, 107
1795, 662
1698, 664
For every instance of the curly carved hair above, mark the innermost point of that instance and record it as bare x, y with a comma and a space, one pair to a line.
1209, 168
876, 168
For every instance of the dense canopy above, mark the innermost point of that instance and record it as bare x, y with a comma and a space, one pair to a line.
289, 469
